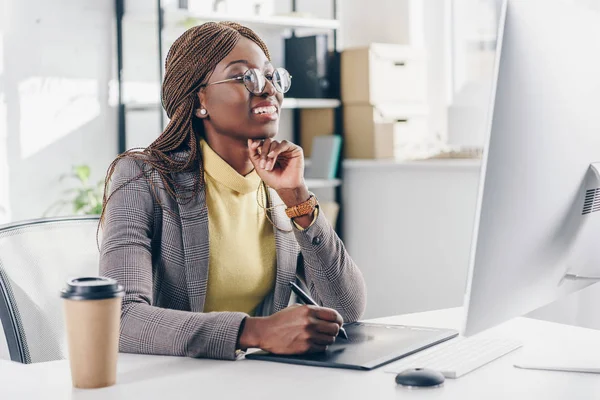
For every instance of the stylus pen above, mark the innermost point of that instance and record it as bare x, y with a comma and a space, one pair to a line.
306, 299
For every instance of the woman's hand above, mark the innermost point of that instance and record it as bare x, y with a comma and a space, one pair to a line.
281, 166
293, 330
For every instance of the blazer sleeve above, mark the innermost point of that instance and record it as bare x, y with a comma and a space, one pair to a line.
126, 255
331, 275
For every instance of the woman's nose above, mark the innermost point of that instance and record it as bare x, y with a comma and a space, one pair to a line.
269, 89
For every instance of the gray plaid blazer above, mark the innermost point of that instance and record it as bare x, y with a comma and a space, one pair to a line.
159, 253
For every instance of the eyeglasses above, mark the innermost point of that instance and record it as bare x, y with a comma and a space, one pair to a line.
255, 81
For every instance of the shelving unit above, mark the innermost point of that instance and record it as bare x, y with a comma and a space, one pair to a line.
310, 103
169, 20
170, 23
179, 17
143, 106
322, 183
288, 103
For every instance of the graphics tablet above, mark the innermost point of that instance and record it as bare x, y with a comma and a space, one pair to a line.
368, 346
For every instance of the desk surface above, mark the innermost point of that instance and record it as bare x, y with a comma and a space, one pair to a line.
156, 377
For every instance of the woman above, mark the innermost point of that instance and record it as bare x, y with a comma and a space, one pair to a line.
216, 176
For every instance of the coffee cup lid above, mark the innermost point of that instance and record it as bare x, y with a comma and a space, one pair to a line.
91, 288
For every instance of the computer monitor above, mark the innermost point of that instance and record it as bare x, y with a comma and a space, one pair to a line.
537, 222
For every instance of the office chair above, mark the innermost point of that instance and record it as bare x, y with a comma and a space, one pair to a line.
36, 258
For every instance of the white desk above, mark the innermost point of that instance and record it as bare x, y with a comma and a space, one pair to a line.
154, 377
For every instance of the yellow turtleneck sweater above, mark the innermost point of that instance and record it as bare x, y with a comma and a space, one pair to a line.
242, 255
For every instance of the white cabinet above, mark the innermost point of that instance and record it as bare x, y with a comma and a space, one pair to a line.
408, 227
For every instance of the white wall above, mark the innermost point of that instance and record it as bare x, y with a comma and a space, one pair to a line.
435, 30
54, 73
375, 21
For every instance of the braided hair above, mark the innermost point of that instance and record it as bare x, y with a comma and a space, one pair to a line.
190, 62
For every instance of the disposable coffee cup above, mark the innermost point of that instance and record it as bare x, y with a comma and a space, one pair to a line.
92, 307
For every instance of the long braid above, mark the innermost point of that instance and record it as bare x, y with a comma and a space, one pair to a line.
189, 64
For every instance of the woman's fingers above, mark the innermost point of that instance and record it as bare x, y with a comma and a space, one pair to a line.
322, 339
327, 314
271, 156
265, 148
253, 146
264, 154
316, 348
276, 150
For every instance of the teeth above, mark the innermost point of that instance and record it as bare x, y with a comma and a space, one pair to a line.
265, 110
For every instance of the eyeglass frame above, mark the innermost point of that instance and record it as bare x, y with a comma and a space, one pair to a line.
241, 78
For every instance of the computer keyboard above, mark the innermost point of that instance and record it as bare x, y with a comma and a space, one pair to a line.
458, 356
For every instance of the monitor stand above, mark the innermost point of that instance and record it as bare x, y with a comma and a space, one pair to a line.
591, 204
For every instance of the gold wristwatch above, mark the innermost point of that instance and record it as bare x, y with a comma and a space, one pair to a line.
305, 208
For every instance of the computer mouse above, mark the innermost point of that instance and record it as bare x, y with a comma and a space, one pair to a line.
420, 377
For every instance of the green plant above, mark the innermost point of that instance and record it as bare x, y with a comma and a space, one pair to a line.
85, 198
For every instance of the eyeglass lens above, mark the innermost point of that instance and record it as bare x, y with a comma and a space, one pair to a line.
256, 81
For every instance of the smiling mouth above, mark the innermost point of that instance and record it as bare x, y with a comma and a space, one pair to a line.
264, 110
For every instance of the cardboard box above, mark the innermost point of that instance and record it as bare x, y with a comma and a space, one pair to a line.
383, 131
384, 73
315, 122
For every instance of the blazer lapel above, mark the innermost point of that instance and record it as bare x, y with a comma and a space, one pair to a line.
195, 241
287, 252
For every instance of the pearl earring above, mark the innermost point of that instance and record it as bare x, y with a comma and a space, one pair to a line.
202, 111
